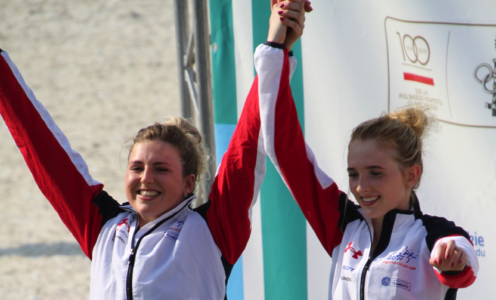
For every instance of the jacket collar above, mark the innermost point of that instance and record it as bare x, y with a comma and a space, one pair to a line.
180, 206
388, 224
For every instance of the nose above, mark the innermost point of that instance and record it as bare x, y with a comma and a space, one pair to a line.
363, 185
147, 175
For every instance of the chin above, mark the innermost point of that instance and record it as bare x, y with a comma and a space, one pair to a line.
147, 211
372, 213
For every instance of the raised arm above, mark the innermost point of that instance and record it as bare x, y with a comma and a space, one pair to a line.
316, 193
237, 183
59, 171
242, 169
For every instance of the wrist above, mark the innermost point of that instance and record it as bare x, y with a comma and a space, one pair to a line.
276, 37
275, 45
289, 44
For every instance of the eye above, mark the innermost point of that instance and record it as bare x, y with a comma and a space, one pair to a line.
353, 175
375, 173
135, 168
162, 168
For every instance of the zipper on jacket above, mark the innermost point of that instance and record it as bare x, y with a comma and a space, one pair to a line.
387, 229
129, 279
366, 268
134, 250
362, 280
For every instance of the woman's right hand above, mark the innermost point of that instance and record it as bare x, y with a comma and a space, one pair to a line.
449, 257
287, 21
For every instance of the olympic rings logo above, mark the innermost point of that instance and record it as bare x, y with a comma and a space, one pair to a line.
416, 49
491, 75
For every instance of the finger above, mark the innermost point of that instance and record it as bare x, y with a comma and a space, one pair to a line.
436, 259
273, 2
277, 30
458, 263
440, 253
450, 249
289, 5
308, 6
296, 1
294, 16
293, 25
433, 262
457, 253
463, 260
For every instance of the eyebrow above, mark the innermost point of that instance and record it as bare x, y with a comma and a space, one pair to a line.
374, 167
367, 168
155, 163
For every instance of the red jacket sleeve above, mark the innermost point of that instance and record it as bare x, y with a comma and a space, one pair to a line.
269, 125
59, 171
316, 193
237, 183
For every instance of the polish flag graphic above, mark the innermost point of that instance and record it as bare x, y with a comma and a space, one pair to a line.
418, 78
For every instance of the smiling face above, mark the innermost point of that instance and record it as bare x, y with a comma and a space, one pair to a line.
376, 179
154, 179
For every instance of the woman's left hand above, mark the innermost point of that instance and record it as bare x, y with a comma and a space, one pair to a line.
290, 13
449, 257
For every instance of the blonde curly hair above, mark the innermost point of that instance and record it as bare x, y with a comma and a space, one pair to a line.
402, 130
180, 133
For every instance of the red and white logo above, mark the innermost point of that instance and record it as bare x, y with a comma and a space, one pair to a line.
124, 222
352, 250
431, 65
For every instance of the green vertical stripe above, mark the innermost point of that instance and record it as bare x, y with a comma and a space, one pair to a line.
223, 62
260, 17
284, 241
283, 224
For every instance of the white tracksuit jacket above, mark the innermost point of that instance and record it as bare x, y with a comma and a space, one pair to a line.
185, 254
399, 267
166, 266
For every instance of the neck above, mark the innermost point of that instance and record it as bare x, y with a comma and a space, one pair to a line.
141, 221
377, 224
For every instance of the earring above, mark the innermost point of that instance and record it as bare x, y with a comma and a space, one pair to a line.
186, 194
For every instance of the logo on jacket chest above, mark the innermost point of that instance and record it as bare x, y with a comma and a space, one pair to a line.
397, 283
122, 230
125, 224
173, 232
402, 258
354, 253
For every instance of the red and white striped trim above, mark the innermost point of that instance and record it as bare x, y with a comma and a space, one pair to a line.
315, 192
59, 171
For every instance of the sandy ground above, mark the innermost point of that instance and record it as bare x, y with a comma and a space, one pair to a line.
103, 69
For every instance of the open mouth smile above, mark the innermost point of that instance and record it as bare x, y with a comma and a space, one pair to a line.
148, 193
369, 201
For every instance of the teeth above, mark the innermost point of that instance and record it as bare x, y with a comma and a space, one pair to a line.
370, 199
148, 193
